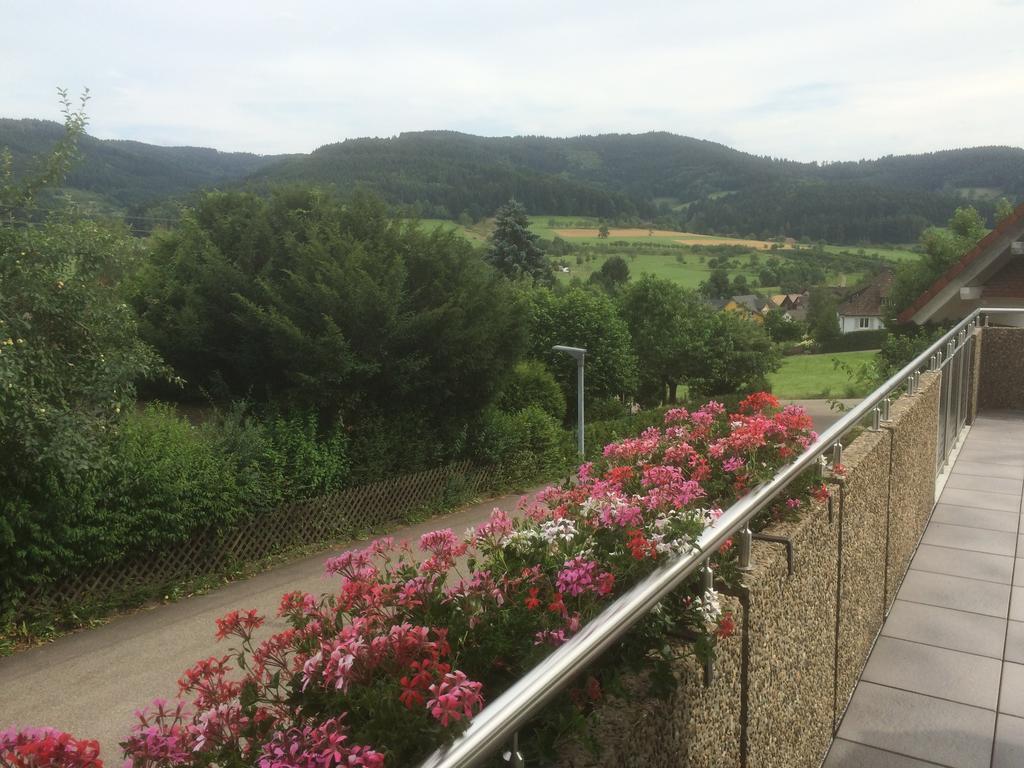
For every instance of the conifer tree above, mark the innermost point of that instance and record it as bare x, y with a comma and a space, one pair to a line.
514, 250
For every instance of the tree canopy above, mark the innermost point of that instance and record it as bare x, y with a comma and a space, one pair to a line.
304, 299
673, 333
583, 318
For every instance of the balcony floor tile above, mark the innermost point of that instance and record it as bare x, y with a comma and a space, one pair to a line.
1011, 695
982, 469
990, 484
975, 539
1015, 642
849, 754
971, 517
946, 628
955, 592
961, 677
1009, 750
1003, 502
920, 726
962, 562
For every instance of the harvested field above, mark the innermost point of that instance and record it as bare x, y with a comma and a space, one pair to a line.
684, 238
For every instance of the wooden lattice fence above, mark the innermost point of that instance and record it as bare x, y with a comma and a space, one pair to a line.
334, 517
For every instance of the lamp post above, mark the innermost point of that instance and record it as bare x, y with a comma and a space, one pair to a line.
578, 354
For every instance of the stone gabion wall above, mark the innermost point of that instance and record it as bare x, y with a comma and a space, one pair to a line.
1001, 369
783, 681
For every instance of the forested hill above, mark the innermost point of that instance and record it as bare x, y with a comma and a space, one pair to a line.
680, 182
685, 183
127, 174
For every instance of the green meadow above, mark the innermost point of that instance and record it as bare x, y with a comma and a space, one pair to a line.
804, 377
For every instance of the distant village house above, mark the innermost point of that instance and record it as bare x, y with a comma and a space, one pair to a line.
864, 309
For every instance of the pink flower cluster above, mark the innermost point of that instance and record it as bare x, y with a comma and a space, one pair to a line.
321, 745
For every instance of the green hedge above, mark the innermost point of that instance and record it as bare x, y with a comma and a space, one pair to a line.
164, 479
857, 341
525, 447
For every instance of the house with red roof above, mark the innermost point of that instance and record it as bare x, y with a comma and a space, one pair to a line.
990, 274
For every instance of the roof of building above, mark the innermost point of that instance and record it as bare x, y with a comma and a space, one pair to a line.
869, 300
751, 301
987, 249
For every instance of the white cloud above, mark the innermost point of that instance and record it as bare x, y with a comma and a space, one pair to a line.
806, 80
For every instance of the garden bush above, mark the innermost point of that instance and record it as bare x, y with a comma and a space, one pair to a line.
858, 341
410, 645
531, 383
524, 447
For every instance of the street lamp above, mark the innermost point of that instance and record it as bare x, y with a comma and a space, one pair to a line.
578, 354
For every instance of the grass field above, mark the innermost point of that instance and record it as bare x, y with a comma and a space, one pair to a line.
662, 253
804, 377
895, 254
689, 272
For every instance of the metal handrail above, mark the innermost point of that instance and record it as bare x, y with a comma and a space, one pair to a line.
502, 718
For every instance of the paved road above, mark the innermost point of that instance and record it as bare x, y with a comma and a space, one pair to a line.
89, 683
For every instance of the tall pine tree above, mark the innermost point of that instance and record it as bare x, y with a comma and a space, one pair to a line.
514, 248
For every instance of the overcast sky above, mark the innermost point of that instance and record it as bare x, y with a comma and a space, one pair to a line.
815, 80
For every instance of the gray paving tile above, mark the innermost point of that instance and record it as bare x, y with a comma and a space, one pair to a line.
1011, 696
1009, 749
981, 499
990, 454
1018, 572
990, 484
946, 628
953, 675
1001, 436
982, 469
989, 519
975, 539
919, 726
962, 594
1017, 604
847, 754
961, 562
1014, 642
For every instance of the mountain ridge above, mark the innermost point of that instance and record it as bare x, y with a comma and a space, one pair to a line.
682, 181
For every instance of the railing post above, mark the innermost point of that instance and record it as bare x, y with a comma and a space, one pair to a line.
707, 580
886, 402
931, 363
910, 384
876, 417
837, 455
745, 545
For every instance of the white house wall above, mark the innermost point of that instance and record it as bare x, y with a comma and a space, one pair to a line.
851, 323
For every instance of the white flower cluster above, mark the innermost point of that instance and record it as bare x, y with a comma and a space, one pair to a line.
710, 609
667, 541
523, 540
553, 530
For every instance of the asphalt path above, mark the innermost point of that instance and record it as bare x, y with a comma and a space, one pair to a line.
89, 683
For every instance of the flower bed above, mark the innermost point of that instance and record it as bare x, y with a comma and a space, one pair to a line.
408, 648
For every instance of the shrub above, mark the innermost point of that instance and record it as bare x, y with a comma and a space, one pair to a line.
168, 479
531, 383
857, 341
526, 446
